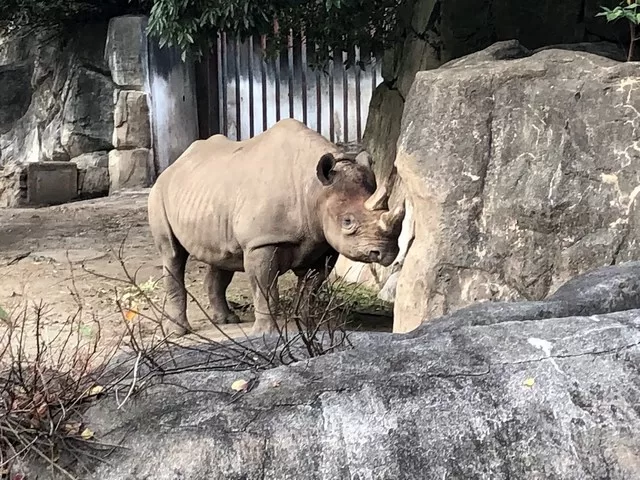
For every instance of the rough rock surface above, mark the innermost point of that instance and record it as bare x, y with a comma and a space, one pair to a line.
13, 185
93, 174
59, 100
126, 50
129, 168
87, 119
433, 32
131, 117
532, 390
522, 173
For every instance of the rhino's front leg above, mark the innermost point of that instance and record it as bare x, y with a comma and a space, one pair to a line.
217, 281
261, 265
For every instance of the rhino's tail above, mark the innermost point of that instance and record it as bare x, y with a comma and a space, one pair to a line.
164, 238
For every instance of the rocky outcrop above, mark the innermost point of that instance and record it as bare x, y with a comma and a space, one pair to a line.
499, 390
433, 32
522, 173
87, 116
76, 96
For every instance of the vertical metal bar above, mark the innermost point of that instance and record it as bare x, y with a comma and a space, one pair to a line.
251, 100
290, 72
263, 42
238, 98
318, 97
345, 98
220, 84
358, 97
332, 127
203, 87
374, 69
214, 94
224, 59
277, 75
303, 71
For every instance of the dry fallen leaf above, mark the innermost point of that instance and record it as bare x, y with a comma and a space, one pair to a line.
240, 385
130, 314
72, 428
42, 409
529, 382
97, 390
86, 434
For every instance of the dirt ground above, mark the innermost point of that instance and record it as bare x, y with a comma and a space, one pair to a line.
63, 256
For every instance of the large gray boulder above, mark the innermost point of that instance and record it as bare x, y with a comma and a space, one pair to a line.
522, 173
536, 390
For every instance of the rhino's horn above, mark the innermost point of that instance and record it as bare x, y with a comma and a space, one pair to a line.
380, 198
388, 220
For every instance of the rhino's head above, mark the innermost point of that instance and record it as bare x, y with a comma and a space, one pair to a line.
354, 214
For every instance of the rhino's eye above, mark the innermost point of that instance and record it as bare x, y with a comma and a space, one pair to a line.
348, 223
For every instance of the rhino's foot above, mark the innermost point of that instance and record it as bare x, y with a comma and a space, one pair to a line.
177, 330
263, 328
222, 319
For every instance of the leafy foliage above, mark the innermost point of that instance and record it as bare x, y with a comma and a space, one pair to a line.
332, 25
628, 10
192, 25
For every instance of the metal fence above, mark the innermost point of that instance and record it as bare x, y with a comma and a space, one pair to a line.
246, 94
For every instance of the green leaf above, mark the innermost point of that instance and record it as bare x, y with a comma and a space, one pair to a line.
3, 314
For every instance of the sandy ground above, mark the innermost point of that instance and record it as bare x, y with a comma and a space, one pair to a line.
63, 257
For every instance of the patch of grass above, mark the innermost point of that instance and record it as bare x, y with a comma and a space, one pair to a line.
360, 298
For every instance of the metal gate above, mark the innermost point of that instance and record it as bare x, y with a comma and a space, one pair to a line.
241, 94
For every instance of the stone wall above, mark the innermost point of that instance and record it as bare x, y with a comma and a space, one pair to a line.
84, 97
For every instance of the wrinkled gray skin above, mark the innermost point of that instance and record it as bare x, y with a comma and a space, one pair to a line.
284, 200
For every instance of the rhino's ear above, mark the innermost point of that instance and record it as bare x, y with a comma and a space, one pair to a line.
324, 170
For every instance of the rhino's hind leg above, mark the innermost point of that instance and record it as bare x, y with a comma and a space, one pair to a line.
176, 306
216, 282
261, 266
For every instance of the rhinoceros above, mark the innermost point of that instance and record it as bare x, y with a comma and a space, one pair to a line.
286, 199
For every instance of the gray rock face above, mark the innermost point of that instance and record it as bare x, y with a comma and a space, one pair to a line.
126, 50
87, 120
522, 174
536, 390
58, 103
433, 32
15, 95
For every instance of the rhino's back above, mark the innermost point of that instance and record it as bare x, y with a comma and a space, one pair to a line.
222, 196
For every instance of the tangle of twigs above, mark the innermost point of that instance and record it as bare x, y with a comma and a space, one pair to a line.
50, 377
